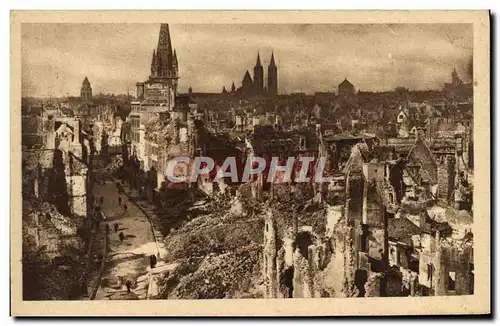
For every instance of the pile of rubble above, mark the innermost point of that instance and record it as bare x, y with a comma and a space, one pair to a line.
114, 166
218, 252
230, 275
62, 223
51, 264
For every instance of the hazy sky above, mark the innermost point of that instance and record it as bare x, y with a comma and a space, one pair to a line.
57, 57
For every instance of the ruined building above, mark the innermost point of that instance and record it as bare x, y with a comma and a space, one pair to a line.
156, 95
378, 229
317, 259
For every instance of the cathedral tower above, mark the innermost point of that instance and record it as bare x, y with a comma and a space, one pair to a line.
164, 65
258, 76
86, 90
272, 78
161, 87
247, 85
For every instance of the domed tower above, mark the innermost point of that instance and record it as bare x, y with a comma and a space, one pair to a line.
86, 91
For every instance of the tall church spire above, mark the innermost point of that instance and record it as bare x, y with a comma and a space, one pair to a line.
153, 64
258, 77
454, 77
175, 58
247, 77
164, 72
272, 64
165, 65
258, 64
164, 43
272, 77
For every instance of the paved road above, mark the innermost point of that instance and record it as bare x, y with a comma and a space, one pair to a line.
127, 260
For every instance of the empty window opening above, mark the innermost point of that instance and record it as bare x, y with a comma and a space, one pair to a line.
360, 278
303, 242
400, 257
364, 238
287, 282
451, 281
429, 272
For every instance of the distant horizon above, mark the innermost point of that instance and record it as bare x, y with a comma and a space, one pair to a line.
284, 94
310, 58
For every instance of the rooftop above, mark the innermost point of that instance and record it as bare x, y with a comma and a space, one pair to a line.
401, 229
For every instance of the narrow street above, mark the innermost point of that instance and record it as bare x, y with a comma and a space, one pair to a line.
127, 260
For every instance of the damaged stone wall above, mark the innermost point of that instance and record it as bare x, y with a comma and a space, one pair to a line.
270, 254
77, 190
422, 156
446, 265
446, 179
427, 260
337, 275
307, 262
76, 182
302, 280
206, 186
372, 205
354, 200
257, 187
373, 284
303, 264
455, 272
376, 242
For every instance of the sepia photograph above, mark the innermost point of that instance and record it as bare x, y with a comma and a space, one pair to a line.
226, 161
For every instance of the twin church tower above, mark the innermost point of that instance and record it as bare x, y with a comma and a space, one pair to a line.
251, 87
161, 87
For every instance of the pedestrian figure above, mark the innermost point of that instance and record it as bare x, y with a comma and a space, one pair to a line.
152, 261
125, 207
121, 236
107, 228
116, 227
128, 285
119, 201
